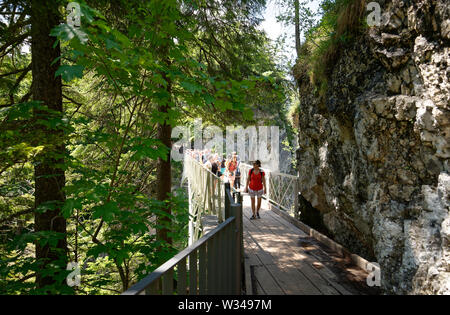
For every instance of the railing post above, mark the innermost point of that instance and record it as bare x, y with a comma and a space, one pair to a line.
236, 211
220, 262
210, 186
296, 198
167, 282
181, 285
191, 212
219, 192
236, 196
193, 273
202, 270
233, 251
268, 190
228, 258
227, 201
210, 266
241, 242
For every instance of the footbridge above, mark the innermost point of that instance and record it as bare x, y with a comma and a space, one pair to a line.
230, 254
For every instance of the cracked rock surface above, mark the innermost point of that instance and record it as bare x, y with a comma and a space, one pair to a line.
374, 152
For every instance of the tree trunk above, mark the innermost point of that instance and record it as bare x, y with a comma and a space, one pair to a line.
49, 176
297, 27
164, 177
164, 169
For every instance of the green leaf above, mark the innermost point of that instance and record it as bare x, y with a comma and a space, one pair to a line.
69, 206
121, 38
248, 114
106, 211
149, 148
89, 13
209, 99
68, 73
67, 32
112, 44
191, 87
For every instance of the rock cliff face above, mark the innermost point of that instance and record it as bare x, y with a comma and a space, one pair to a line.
374, 152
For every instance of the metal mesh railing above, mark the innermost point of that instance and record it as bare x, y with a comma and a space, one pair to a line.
282, 189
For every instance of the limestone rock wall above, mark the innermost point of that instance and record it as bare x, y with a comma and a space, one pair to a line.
374, 153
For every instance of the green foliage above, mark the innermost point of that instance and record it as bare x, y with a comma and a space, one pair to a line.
340, 23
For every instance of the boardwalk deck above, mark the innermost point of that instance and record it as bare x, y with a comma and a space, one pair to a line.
282, 259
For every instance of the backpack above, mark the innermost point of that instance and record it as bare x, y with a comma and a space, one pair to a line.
262, 174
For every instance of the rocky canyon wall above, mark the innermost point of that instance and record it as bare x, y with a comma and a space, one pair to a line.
374, 151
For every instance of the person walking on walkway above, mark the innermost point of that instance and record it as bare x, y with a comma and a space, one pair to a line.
237, 181
214, 165
215, 169
256, 187
231, 168
222, 168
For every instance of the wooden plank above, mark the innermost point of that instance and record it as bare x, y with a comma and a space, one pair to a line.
289, 258
193, 273
215, 264
210, 266
233, 254
167, 282
251, 257
294, 231
284, 222
292, 281
322, 277
248, 280
289, 278
220, 264
264, 279
282, 255
229, 260
251, 260
339, 249
237, 209
259, 289
262, 255
267, 281
226, 261
202, 270
153, 288
181, 287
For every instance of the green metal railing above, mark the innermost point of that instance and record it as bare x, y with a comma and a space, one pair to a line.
211, 265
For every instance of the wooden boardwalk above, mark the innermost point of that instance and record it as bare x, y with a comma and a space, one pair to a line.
281, 259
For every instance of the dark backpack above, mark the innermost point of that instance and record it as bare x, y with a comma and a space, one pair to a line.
262, 174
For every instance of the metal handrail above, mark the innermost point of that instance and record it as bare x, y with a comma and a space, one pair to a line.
218, 267
139, 287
